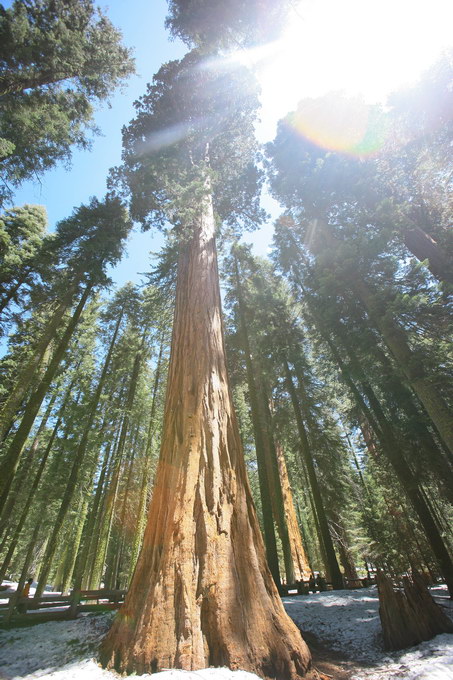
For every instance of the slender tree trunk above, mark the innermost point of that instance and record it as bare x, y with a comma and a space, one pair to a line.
57, 461
101, 534
24, 470
202, 594
148, 457
317, 528
121, 524
75, 469
12, 456
275, 490
411, 365
119, 456
83, 552
260, 445
424, 247
332, 562
392, 450
29, 370
30, 498
10, 294
25, 570
34, 80
435, 458
73, 548
411, 486
343, 546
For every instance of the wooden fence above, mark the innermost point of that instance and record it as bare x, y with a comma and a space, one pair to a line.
54, 605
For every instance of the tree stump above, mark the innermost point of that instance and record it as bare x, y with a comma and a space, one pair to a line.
408, 613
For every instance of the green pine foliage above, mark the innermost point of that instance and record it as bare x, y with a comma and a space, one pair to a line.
58, 59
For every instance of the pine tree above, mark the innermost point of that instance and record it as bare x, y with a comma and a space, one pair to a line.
97, 234
57, 59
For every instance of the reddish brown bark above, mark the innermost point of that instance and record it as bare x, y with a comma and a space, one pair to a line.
302, 569
202, 594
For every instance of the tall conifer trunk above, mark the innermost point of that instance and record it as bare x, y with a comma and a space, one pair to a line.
300, 560
411, 364
325, 537
12, 456
77, 466
275, 485
378, 422
31, 495
146, 472
424, 247
202, 594
258, 433
29, 370
23, 471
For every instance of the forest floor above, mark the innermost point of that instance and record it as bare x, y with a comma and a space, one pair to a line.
342, 629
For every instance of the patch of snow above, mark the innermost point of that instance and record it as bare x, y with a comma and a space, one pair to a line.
347, 621
431, 660
39, 650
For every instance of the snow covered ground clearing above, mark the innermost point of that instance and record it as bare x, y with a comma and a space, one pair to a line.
347, 621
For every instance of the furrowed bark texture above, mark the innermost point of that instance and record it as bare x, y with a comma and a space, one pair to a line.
300, 560
202, 594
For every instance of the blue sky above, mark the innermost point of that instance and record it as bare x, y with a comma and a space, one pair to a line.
60, 190
63, 189
328, 46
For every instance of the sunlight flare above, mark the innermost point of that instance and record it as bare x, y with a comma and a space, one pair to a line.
360, 49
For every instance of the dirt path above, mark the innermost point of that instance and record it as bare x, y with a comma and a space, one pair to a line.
332, 664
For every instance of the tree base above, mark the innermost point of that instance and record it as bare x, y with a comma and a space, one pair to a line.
408, 613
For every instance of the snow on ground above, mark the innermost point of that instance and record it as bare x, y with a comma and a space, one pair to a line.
347, 621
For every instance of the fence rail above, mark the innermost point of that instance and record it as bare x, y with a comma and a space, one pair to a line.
16, 609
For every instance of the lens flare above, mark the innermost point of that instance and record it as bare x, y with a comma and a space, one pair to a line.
366, 49
343, 124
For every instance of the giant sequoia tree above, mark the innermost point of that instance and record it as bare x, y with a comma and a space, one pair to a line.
201, 594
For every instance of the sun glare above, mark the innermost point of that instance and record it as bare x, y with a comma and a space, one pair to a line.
360, 47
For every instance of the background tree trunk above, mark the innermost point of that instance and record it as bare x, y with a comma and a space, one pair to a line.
307, 460
12, 456
300, 560
425, 248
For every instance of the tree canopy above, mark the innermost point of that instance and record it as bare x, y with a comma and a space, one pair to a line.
58, 59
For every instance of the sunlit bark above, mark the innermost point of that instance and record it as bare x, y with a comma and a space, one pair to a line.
202, 594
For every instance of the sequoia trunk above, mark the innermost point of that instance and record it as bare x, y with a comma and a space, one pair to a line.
300, 560
202, 594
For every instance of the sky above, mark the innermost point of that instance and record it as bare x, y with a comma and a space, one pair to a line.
61, 190
365, 49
